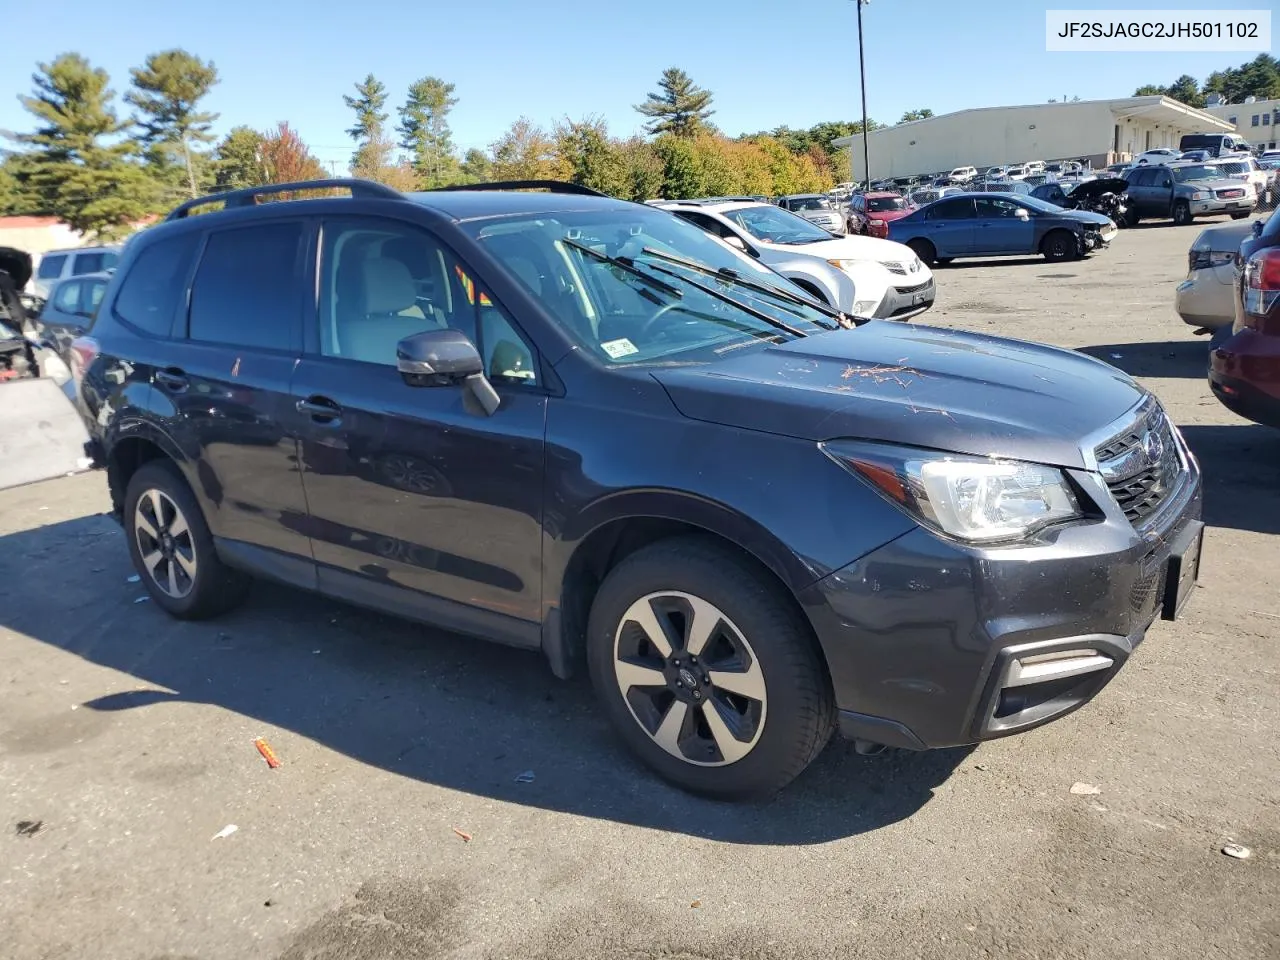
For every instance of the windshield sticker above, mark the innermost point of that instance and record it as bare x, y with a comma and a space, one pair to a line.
619, 348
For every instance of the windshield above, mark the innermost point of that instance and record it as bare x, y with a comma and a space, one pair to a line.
646, 307
810, 203
1232, 168
775, 225
1197, 172
884, 204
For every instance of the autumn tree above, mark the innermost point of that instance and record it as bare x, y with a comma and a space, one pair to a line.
76, 165
286, 159
424, 131
167, 91
643, 169
524, 152
590, 158
678, 107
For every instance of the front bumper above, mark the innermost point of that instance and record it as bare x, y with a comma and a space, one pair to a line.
1243, 204
905, 302
921, 635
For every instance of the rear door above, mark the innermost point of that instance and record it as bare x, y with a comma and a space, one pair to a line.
949, 226
70, 311
419, 501
225, 389
999, 229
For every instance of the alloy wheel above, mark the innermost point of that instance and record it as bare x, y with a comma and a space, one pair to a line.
690, 678
165, 544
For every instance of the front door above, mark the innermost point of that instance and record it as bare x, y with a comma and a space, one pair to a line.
419, 501
224, 395
949, 226
999, 229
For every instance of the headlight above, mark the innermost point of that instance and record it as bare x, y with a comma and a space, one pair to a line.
864, 308
977, 499
1199, 195
845, 265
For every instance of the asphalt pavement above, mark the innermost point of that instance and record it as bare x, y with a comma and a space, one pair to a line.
402, 821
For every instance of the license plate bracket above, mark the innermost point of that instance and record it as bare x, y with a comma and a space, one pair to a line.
1182, 569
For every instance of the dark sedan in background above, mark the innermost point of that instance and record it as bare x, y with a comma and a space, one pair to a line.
1244, 369
1000, 224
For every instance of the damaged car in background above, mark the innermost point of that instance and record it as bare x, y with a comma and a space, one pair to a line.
23, 354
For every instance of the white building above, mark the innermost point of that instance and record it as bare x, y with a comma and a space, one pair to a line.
1255, 120
1102, 131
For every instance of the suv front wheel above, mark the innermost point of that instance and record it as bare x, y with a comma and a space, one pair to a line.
708, 673
171, 546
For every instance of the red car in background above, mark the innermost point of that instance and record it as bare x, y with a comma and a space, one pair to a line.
1244, 370
870, 213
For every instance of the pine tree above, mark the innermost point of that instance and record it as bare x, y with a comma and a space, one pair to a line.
679, 107
475, 166
424, 131
373, 150
167, 91
237, 160
77, 167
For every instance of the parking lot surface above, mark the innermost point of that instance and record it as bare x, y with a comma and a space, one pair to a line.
396, 825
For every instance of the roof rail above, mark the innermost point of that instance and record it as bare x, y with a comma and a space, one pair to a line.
248, 196
554, 186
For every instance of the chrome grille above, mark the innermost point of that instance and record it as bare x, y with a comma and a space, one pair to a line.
1230, 194
1142, 465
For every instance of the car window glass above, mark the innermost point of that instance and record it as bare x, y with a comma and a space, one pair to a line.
709, 224
248, 288
67, 299
51, 267
156, 283
989, 207
959, 209
88, 263
507, 355
92, 294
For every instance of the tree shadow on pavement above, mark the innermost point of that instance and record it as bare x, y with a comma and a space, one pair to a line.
439, 708
1241, 465
1173, 359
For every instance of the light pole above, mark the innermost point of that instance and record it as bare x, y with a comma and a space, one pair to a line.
862, 70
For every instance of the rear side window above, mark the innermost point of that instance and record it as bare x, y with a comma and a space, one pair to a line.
248, 288
94, 262
51, 267
155, 284
951, 210
67, 299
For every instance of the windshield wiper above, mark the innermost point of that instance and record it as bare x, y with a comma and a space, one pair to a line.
725, 298
734, 276
625, 265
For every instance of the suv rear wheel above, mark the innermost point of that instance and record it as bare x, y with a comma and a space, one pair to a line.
709, 675
172, 549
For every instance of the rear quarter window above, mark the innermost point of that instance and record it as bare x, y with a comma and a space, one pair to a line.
155, 284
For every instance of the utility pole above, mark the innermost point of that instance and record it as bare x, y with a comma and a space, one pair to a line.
862, 70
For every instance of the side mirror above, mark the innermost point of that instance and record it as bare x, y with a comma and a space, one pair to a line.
1257, 228
736, 242
1022, 214
439, 358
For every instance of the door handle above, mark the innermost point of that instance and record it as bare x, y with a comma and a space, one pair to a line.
171, 378
321, 410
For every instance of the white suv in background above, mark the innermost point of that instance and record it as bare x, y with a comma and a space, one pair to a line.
1243, 168
963, 174
57, 265
864, 276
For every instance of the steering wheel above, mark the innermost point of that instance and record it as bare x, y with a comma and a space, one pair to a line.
648, 325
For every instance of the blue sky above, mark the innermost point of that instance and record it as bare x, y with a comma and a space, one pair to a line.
768, 62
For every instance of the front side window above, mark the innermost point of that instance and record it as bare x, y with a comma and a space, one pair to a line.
156, 284
94, 262
51, 267
382, 281
92, 293
995, 207
248, 288
775, 225
631, 285
67, 299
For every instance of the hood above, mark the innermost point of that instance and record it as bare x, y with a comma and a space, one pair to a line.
912, 385
1221, 183
852, 248
1085, 216
17, 264
1093, 189
821, 216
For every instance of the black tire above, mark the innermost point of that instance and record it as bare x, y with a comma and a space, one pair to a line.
1239, 216
798, 710
943, 261
214, 588
1059, 245
1133, 218
1182, 214
923, 249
